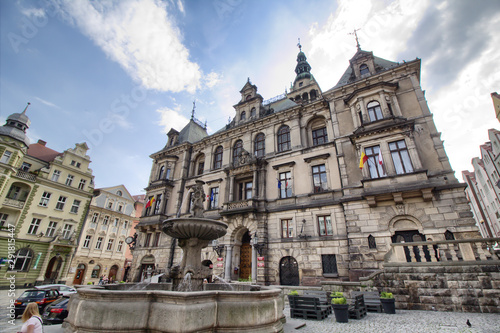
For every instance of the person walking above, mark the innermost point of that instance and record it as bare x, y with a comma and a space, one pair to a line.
31, 319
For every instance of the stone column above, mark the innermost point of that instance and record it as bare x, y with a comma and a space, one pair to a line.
254, 264
229, 258
231, 188
255, 189
383, 105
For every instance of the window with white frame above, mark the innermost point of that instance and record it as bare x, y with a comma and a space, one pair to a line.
60, 203
51, 229
214, 198
116, 221
6, 157
400, 157
285, 184
374, 166
120, 246
286, 228
325, 226
81, 186
3, 219
110, 244
167, 174
33, 228
67, 231
44, 201
75, 206
69, 180
374, 111
98, 244
55, 175
86, 242
95, 217
319, 178
105, 220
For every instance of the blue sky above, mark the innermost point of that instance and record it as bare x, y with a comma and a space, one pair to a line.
119, 74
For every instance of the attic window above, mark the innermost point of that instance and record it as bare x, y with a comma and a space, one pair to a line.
243, 115
248, 97
300, 84
363, 69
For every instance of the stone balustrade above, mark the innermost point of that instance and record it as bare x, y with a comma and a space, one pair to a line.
476, 249
14, 203
26, 175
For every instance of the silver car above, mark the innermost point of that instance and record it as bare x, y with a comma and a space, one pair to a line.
61, 288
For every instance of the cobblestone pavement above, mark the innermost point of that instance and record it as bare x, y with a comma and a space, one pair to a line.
404, 321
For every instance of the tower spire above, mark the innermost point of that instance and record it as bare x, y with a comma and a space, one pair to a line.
356, 36
24, 112
192, 112
300, 46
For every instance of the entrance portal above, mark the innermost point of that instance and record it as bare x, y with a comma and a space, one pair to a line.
245, 257
52, 272
289, 272
80, 273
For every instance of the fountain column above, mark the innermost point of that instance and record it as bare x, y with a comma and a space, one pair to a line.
229, 256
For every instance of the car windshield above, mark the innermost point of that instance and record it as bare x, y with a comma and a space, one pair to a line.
33, 294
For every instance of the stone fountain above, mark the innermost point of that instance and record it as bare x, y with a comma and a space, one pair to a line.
177, 307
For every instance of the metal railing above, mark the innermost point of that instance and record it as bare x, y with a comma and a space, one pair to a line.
26, 175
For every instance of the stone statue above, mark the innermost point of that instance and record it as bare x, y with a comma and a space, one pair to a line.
198, 198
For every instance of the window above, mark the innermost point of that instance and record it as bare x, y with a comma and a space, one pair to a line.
55, 175
96, 272
325, 226
156, 241
286, 229
148, 206
237, 148
363, 69
319, 178
285, 184
160, 174
51, 229
25, 167
375, 168
67, 231
243, 115
329, 262
245, 190
120, 207
147, 240
374, 111
371, 242
125, 224
201, 165
44, 201
14, 192
110, 245
6, 157
214, 198
119, 247
253, 113
95, 217
76, 205
119, 193
158, 204
86, 242
3, 219
319, 136
105, 220
400, 157
60, 203
23, 260
73, 163
33, 228
110, 205
259, 145
81, 186
98, 244
167, 175
218, 157
69, 180
284, 138
116, 221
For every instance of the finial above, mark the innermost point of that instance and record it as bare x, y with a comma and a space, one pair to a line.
205, 124
300, 46
192, 112
356, 35
24, 112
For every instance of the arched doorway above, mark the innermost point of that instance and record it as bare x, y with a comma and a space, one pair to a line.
289, 272
245, 257
52, 272
80, 273
147, 267
112, 273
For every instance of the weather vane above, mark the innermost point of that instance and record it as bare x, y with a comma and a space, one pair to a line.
300, 46
26, 108
192, 112
356, 35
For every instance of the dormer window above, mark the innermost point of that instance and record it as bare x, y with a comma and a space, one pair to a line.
248, 97
374, 111
243, 115
363, 69
253, 112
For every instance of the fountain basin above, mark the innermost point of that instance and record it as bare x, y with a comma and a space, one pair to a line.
204, 229
94, 309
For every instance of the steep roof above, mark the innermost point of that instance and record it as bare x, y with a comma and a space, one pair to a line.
192, 132
38, 150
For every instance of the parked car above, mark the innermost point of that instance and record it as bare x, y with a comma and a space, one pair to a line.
41, 297
55, 312
61, 288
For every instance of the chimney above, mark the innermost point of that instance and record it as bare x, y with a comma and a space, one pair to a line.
43, 143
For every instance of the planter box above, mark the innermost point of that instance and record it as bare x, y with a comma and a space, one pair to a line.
389, 305
341, 312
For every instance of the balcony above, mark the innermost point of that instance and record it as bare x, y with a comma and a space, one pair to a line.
152, 219
159, 183
14, 203
237, 207
25, 176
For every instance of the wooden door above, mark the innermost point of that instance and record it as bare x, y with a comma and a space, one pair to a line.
80, 273
245, 261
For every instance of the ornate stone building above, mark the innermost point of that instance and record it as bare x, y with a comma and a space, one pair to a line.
314, 185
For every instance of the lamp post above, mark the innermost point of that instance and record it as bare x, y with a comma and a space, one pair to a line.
258, 246
217, 248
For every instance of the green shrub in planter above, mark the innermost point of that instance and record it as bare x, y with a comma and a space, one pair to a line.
89, 282
336, 294
293, 293
339, 300
386, 295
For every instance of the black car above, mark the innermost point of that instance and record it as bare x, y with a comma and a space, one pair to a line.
41, 297
55, 312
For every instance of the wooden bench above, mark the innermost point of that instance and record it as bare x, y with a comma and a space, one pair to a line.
322, 296
357, 309
307, 307
372, 300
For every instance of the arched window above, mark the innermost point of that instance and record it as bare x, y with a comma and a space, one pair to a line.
259, 145
313, 94
305, 96
96, 272
253, 113
374, 111
318, 131
371, 242
363, 69
243, 116
200, 164
119, 193
284, 138
248, 97
218, 157
160, 174
23, 260
238, 146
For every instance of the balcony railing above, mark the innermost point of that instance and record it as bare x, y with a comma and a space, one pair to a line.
14, 203
26, 175
476, 249
243, 205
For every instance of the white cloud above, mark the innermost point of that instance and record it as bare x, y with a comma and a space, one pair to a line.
212, 79
47, 103
33, 12
172, 118
139, 35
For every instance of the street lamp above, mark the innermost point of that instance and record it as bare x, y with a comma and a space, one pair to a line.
258, 246
217, 248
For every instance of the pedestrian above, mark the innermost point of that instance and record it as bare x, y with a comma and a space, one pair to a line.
100, 280
31, 319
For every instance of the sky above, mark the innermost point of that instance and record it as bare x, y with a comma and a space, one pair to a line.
119, 75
